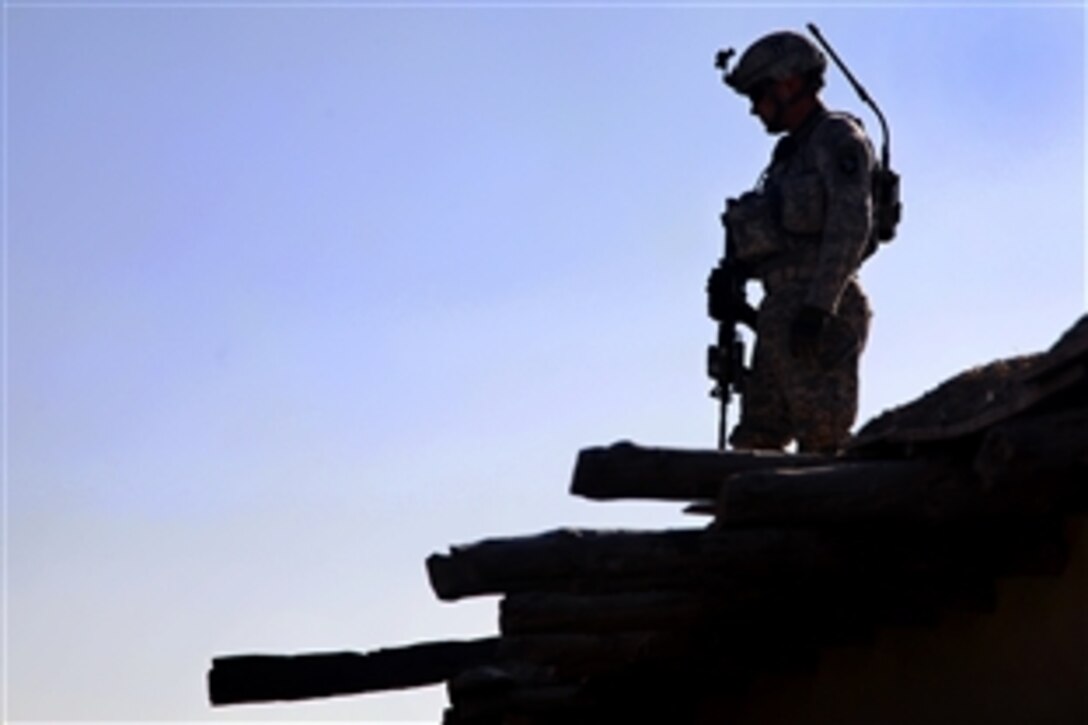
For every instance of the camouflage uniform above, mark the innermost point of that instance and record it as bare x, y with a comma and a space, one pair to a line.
816, 207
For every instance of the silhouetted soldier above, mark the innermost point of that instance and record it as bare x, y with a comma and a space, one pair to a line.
803, 232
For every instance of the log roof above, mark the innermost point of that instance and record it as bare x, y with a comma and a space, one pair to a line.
930, 506
984, 396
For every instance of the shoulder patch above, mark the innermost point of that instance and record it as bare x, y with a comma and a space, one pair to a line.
848, 162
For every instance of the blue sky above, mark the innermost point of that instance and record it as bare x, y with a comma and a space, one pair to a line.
296, 296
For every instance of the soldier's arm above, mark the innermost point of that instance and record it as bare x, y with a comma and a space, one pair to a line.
844, 160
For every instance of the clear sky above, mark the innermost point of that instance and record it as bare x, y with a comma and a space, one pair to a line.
295, 296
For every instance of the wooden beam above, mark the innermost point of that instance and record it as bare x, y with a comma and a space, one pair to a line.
627, 471
560, 560
562, 612
585, 653
823, 604
265, 678
576, 560
858, 491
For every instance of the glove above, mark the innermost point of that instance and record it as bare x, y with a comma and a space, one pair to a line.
806, 331
719, 295
724, 303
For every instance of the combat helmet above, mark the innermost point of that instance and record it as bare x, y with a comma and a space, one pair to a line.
774, 57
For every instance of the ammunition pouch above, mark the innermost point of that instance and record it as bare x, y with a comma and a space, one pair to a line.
755, 232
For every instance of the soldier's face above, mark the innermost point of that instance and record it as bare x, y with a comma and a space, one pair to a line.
768, 106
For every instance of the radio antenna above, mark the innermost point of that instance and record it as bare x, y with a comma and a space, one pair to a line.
885, 153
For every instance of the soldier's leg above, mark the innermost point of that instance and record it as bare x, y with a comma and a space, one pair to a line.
824, 394
763, 422
826, 407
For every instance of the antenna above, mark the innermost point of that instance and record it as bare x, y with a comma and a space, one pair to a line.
885, 181
885, 153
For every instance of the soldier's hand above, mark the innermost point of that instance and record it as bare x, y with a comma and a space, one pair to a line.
806, 330
719, 295
726, 301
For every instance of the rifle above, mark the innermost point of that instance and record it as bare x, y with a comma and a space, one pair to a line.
727, 303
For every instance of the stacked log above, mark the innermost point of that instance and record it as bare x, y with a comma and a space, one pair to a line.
802, 551
928, 508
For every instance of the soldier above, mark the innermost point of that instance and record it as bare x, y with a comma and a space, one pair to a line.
803, 233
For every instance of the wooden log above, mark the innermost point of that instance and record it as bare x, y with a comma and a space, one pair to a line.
585, 653
613, 669
1038, 464
728, 644
264, 678
859, 491
839, 608
496, 690
646, 692
499, 677
1019, 469
627, 471
561, 612
558, 559
589, 561
563, 560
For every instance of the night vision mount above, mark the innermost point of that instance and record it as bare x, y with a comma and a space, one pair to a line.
721, 61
